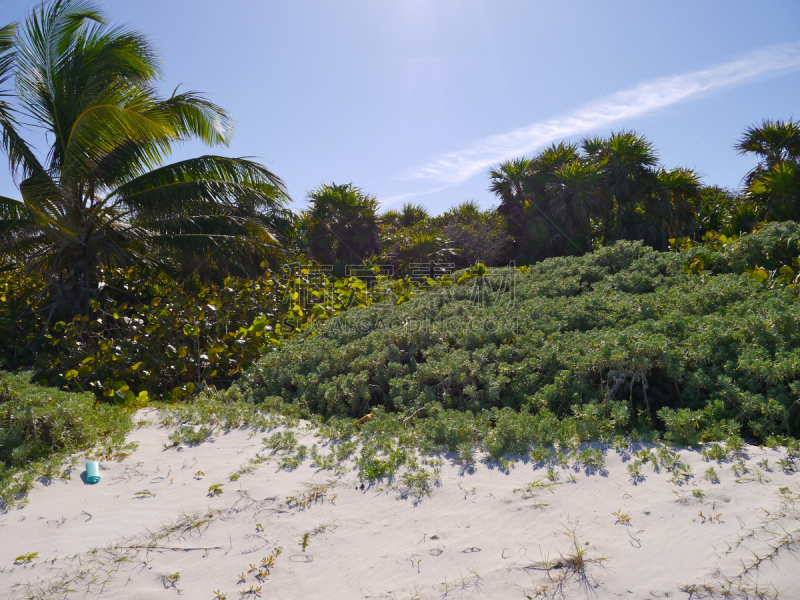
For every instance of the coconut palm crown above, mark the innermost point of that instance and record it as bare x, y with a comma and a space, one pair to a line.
103, 193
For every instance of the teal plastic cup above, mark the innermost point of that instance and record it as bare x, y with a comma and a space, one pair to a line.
92, 471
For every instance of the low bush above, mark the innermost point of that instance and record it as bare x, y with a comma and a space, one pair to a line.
40, 427
148, 337
702, 355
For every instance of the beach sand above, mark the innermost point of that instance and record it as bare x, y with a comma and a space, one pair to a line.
152, 529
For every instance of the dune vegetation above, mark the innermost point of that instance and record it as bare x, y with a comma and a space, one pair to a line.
623, 339
605, 297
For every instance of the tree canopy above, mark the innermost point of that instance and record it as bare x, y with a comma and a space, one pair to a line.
103, 194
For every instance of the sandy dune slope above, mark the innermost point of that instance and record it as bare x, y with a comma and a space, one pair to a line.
153, 529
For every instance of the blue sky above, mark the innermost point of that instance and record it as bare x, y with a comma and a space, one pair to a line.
414, 100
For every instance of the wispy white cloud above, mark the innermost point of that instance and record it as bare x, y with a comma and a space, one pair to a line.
396, 200
456, 167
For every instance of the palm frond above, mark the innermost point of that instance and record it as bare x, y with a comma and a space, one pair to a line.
44, 45
18, 152
771, 141
207, 179
14, 221
103, 194
194, 115
120, 117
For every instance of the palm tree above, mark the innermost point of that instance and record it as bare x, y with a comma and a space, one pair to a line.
508, 183
563, 200
342, 224
480, 235
774, 183
411, 214
411, 247
773, 142
670, 206
776, 191
522, 182
408, 216
103, 194
576, 195
525, 188
628, 161
466, 211
545, 165
390, 219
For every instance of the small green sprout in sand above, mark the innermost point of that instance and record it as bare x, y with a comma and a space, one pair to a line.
592, 458
506, 464
304, 541
199, 475
171, 581
710, 518
262, 570
253, 591
711, 475
314, 493
635, 470
259, 527
219, 595
739, 468
622, 518
681, 473
269, 561
25, 558
572, 563
552, 474
715, 452
670, 460
764, 464
645, 455
234, 477
216, 489
531, 490
697, 493
620, 443
144, 494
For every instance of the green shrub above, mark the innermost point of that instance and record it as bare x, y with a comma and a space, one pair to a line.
682, 425
40, 427
20, 294
699, 356
152, 338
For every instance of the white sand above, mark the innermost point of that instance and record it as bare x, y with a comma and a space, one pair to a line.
473, 537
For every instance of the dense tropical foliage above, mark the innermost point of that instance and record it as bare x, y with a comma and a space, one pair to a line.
103, 195
341, 225
773, 186
624, 329
605, 295
569, 199
162, 339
